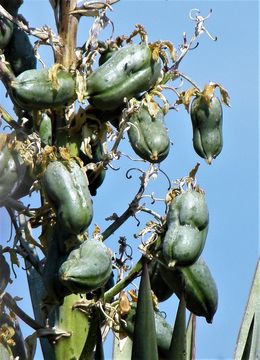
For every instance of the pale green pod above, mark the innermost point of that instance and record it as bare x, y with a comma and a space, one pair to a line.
197, 285
207, 120
87, 268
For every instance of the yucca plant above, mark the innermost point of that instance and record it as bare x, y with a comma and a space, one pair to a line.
69, 122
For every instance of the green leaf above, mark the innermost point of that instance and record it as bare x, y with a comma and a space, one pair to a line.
93, 323
122, 348
177, 349
99, 353
74, 322
37, 293
19, 349
247, 348
31, 342
190, 338
5, 352
144, 338
4, 273
248, 339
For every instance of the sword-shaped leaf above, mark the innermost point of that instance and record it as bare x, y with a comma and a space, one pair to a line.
190, 338
99, 353
144, 338
5, 352
177, 349
37, 293
249, 335
4, 273
248, 344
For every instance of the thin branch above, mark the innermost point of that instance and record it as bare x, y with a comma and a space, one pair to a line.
9, 120
108, 296
133, 207
184, 51
13, 219
11, 304
30, 257
98, 5
17, 205
6, 75
116, 224
14, 20
151, 212
119, 136
92, 9
42, 34
199, 29
189, 80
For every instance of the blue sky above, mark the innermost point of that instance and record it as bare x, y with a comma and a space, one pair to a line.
230, 183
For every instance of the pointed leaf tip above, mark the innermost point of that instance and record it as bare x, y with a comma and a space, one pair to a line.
144, 338
177, 349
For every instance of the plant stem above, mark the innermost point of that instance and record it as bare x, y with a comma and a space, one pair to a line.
6, 75
17, 205
189, 80
108, 296
68, 25
117, 223
151, 212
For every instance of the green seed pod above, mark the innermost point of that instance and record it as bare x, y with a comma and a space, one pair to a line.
207, 127
160, 289
66, 186
106, 54
129, 71
6, 31
191, 208
197, 285
45, 129
19, 52
182, 245
35, 90
148, 135
15, 180
11, 172
95, 181
4, 273
163, 328
110, 283
87, 268
187, 222
71, 141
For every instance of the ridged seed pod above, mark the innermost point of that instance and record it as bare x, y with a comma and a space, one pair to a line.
66, 186
128, 72
87, 268
36, 90
197, 285
148, 136
187, 222
207, 122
